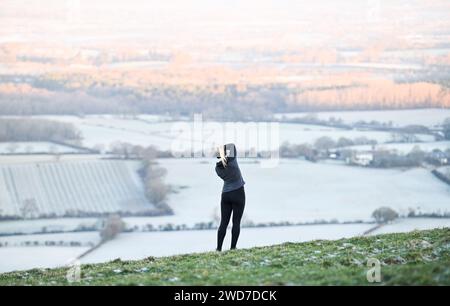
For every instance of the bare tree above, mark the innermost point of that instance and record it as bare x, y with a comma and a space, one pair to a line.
384, 214
29, 209
344, 142
149, 153
416, 156
324, 143
112, 227
125, 150
156, 191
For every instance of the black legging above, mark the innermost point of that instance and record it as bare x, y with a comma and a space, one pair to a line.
232, 202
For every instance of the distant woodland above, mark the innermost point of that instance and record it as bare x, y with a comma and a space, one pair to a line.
36, 130
289, 56
216, 101
174, 83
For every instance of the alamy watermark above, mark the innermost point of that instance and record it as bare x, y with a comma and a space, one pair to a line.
73, 274
200, 138
374, 273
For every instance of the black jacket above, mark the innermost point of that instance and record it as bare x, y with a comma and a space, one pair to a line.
231, 174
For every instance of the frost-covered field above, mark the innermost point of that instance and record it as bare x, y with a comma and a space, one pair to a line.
295, 191
103, 131
426, 117
300, 191
58, 188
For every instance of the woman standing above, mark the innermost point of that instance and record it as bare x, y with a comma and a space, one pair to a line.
233, 194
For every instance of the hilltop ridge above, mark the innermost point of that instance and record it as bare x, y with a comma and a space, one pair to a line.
415, 258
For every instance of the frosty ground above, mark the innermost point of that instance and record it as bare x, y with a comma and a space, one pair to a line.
294, 191
135, 246
417, 258
307, 192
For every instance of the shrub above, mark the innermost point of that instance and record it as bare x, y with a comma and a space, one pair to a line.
415, 129
156, 191
385, 159
324, 143
288, 150
384, 214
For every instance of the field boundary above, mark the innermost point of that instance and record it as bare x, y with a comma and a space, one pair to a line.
371, 230
441, 176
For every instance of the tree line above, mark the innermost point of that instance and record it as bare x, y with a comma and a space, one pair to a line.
18, 129
219, 102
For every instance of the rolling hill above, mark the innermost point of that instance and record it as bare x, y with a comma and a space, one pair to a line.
415, 258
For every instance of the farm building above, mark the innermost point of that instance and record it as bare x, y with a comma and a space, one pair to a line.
71, 188
361, 158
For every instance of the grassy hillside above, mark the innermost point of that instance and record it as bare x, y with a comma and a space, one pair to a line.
421, 257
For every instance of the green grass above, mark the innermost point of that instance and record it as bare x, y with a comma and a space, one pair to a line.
416, 258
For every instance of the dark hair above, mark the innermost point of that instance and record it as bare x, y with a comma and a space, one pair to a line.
229, 149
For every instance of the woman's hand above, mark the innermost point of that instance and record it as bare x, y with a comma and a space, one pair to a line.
223, 158
224, 162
